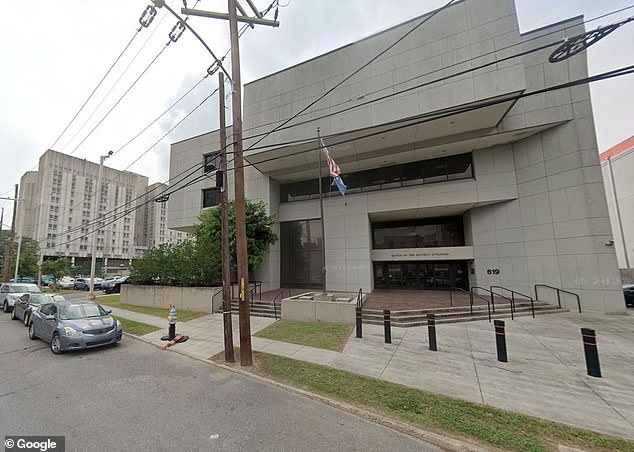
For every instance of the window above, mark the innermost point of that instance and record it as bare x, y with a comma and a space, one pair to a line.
211, 197
441, 169
424, 233
211, 162
301, 257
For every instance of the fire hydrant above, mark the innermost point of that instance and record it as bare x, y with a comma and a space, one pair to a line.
172, 320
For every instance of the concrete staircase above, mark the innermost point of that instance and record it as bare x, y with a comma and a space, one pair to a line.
418, 317
259, 308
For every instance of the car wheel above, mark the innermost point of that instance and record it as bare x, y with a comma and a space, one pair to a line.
5, 306
32, 331
26, 319
13, 317
56, 344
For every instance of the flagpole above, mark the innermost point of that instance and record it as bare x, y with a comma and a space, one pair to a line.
323, 228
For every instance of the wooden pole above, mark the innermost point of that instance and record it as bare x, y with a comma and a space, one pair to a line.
226, 271
240, 207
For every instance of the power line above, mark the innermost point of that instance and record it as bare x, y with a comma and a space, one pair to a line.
446, 113
355, 72
444, 68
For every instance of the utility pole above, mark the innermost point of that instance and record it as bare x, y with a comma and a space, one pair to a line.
93, 256
226, 271
246, 358
9, 249
17, 255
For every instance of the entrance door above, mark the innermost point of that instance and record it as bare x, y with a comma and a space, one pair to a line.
420, 275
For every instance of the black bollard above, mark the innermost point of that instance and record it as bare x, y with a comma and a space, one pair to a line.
500, 340
359, 323
431, 327
589, 338
387, 326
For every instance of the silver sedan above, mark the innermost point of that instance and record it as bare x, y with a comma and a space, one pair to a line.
74, 325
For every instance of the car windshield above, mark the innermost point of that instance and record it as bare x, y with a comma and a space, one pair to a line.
80, 311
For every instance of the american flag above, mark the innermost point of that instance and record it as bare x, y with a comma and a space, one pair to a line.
334, 170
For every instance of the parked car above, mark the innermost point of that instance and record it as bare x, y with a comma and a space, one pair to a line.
28, 303
10, 292
74, 325
115, 286
84, 284
24, 280
65, 282
628, 294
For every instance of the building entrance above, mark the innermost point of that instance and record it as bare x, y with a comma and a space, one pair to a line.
420, 275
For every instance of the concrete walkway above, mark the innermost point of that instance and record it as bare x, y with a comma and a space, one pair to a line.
545, 376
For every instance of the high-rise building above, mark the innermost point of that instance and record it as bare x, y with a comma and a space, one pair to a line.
60, 208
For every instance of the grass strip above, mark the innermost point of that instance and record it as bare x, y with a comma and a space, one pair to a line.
113, 301
328, 336
445, 415
136, 328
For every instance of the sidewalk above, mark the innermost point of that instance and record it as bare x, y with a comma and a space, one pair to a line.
545, 376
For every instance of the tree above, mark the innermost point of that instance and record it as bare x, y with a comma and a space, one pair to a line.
260, 235
198, 262
59, 267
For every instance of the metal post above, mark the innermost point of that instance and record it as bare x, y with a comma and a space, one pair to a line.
9, 250
500, 340
387, 326
512, 304
17, 254
246, 354
358, 316
589, 338
224, 205
323, 227
431, 328
93, 253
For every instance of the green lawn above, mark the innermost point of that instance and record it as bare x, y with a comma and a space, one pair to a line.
113, 301
136, 328
486, 425
320, 335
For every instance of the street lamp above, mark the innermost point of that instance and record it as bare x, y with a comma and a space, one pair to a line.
93, 258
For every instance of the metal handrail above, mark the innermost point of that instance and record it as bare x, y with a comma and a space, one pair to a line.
451, 289
212, 300
360, 298
558, 296
488, 305
280, 295
513, 292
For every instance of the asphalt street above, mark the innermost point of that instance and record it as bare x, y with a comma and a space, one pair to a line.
136, 397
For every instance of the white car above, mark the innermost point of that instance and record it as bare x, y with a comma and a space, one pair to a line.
10, 292
66, 282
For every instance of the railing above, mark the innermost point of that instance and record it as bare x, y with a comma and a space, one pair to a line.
280, 296
489, 306
512, 299
558, 294
360, 298
212, 300
451, 291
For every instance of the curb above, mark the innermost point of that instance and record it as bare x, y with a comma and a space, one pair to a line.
436, 439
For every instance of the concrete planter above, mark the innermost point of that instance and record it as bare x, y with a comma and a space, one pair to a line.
320, 307
189, 298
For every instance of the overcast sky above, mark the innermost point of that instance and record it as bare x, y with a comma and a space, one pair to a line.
55, 52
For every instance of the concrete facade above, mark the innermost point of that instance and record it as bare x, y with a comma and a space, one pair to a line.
534, 210
617, 166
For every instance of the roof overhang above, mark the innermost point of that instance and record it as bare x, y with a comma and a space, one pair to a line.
454, 130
